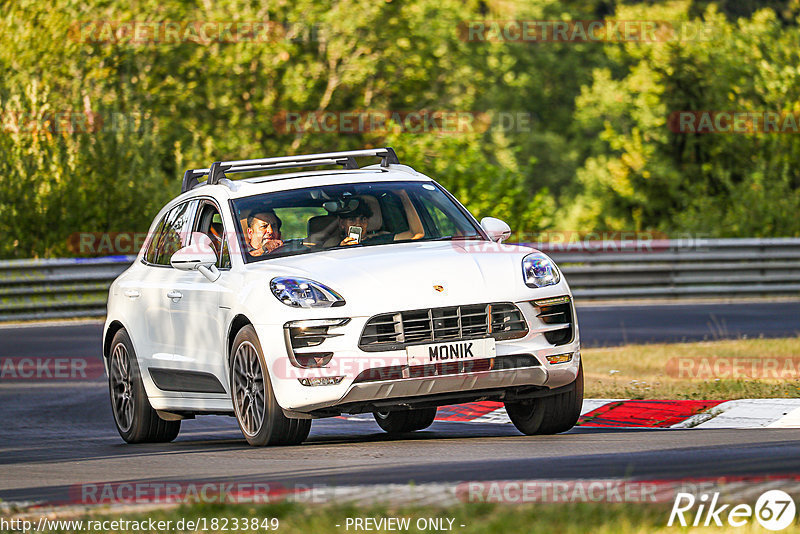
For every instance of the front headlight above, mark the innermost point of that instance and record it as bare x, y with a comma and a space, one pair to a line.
539, 271
304, 293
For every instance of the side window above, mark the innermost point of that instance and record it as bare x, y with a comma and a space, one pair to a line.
224, 255
152, 246
209, 222
172, 235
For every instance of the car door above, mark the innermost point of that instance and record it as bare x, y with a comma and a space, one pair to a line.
154, 291
197, 319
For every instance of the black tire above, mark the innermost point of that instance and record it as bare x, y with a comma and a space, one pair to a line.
136, 420
260, 418
549, 415
398, 422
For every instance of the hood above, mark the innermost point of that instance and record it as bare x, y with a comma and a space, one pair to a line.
412, 275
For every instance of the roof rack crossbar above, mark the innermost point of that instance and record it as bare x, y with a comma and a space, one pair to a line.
347, 159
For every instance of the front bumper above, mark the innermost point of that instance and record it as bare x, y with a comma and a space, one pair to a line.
349, 362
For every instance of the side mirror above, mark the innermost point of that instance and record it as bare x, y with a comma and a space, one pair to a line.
498, 230
199, 256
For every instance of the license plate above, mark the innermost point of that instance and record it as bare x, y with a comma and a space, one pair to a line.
455, 351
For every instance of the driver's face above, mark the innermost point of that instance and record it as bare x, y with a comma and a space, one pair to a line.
264, 228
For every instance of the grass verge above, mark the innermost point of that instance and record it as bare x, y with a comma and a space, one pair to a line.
730, 369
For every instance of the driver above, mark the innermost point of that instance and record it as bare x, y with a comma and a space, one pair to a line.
263, 233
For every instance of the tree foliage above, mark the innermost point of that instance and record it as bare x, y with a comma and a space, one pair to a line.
641, 174
97, 132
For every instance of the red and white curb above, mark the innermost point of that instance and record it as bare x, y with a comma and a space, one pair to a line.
745, 413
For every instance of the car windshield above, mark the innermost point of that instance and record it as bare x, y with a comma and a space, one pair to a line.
303, 221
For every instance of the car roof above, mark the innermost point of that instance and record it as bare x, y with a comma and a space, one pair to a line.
233, 189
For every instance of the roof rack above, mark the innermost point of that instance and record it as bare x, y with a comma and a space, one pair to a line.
219, 169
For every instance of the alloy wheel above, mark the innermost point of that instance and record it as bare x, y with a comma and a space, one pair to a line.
248, 388
121, 387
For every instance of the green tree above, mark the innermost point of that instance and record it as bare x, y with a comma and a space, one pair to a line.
641, 175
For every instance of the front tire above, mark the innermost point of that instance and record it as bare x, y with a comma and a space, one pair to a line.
549, 415
136, 420
402, 421
260, 418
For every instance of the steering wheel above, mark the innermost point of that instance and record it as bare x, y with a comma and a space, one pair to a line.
292, 244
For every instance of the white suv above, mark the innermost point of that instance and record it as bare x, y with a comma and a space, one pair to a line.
288, 297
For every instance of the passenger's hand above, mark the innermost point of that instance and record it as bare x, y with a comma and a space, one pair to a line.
349, 240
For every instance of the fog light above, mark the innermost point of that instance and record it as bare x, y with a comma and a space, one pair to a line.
314, 359
560, 358
321, 380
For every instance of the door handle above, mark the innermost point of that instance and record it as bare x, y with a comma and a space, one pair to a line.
175, 295
132, 293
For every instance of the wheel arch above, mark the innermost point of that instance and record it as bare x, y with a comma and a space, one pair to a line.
114, 327
238, 322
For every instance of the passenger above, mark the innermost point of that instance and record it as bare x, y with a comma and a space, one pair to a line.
360, 217
357, 217
263, 233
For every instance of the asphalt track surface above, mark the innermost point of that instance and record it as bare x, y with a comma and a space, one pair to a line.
57, 435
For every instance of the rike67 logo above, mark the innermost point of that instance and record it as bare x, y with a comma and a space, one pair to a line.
774, 510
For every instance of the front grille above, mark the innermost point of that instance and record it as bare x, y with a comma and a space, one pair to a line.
394, 331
